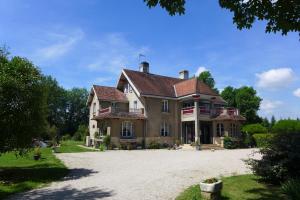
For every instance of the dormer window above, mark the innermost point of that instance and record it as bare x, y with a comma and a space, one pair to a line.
165, 106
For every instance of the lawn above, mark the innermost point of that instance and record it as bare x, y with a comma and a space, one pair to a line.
243, 187
71, 146
18, 174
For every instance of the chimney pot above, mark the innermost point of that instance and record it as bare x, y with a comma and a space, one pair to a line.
184, 74
144, 67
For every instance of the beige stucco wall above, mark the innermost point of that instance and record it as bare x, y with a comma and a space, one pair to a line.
92, 123
155, 117
132, 96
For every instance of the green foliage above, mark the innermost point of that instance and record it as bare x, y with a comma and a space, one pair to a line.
23, 107
154, 145
101, 147
292, 189
273, 121
265, 123
245, 99
66, 137
281, 16
262, 139
21, 174
254, 128
71, 146
207, 78
81, 133
248, 140
287, 126
106, 141
231, 143
279, 158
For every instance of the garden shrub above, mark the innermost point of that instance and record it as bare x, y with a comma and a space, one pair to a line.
81, 133
254, 128
292, 189
66, 137
154, 145
231, 143
262, 139
287, 126
106, 141
280, 159
248, 140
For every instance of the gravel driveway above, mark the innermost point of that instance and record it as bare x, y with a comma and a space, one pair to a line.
139, 175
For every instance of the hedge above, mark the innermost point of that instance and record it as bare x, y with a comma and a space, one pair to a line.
262, 139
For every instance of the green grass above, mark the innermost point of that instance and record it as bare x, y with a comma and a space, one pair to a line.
18, 174
71, 146
244, 187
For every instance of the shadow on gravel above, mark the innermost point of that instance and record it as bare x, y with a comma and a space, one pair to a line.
78, 173
67, 193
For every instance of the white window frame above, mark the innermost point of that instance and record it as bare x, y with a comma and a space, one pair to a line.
164, 129
135, 105
233, 130
126, 89
127, 129
165, 106
220, 130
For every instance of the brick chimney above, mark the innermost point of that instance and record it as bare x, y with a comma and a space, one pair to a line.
184, 74
144, 67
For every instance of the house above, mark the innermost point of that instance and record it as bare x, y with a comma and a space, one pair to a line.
146, 107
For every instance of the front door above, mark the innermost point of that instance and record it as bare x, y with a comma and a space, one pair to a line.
188, 132
205, 134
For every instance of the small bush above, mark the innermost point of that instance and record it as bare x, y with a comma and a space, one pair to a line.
231, 143
101, 147
165, 145
154, 145
279, 161
106, 141
81, 133
66, 137
248, 140
262, 139
254, 128
292, 189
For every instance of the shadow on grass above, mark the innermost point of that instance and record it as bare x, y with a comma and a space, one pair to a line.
67, 193
19, 179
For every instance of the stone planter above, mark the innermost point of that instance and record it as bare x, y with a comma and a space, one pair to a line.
211, 191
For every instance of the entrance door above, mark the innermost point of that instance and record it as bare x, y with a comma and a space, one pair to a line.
205, 134
188, 132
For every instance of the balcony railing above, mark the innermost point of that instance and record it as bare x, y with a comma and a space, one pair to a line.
117, 110
204, 111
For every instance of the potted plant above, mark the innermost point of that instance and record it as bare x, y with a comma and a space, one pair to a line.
37, 153
211, 188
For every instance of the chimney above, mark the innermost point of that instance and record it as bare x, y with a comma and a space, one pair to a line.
184, 74
144, 67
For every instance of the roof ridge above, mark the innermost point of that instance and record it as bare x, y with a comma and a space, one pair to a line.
155, 74
104, 86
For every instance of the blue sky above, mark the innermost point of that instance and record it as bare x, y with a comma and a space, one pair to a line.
81, 43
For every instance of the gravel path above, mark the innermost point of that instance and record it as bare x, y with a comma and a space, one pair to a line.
139, 175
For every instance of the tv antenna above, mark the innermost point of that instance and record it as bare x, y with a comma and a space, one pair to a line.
142, 57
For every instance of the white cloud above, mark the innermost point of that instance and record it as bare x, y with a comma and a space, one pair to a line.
200, 70
297, 92
114, 52
269, 106
59, 44
275, 78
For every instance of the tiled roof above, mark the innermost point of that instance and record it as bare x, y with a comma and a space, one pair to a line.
152, 84
109, 93
224, 117
119, 115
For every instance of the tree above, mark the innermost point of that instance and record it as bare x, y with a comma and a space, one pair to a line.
266, 123
286, 126
254, 128
76, 109
245, 99
57, 103
281, 15
23, 109
273, 121
207, 78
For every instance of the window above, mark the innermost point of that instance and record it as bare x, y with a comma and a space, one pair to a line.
135, 105
126, 88
220, 130
114, 104
130, 88
233, 132
165, 106
127, 129
94, 108
164, 129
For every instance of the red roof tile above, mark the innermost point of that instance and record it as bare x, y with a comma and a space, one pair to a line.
109, 93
